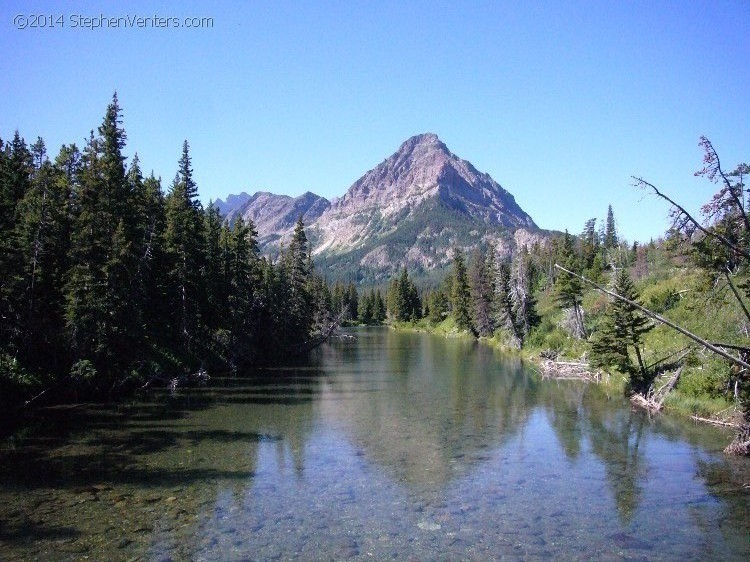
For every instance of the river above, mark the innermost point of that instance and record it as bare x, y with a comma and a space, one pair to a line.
390, 446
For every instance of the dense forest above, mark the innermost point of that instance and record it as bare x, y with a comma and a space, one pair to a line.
109, 283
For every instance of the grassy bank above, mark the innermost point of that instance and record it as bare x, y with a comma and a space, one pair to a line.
684, 295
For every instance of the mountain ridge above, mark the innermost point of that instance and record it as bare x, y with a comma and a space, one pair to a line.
410, 211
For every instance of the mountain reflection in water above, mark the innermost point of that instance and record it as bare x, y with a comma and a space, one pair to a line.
394, 445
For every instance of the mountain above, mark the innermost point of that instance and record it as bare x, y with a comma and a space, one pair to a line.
411, 210
232, 203
275, 215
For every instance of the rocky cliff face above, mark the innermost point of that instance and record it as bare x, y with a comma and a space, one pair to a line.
422, 171
232, 203
275, 215
411, 210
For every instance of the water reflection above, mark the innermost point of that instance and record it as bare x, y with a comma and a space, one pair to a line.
390, 446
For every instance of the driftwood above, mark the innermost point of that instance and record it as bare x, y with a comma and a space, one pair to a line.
560, 370
714, 422
200, 378
653, 401
741, 443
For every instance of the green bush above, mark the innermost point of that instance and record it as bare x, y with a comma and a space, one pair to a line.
709, 381
661, 301
16, 383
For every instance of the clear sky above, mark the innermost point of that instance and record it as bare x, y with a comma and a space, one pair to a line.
560, 102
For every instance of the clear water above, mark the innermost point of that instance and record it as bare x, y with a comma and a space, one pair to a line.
393, 446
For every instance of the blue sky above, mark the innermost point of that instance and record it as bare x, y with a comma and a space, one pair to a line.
560, 102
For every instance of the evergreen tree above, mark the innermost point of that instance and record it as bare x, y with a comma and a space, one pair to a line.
243, 298
569, 289
504, 316
184, 243
15, 180
522, 294
352, 300
90, 306
403, 302
609, 240
213, 279
481, 294
589, 244
322, 303
623, 329
150, 278
379, 311
42, 237
460, 294
365, 313
439, 306
296, 272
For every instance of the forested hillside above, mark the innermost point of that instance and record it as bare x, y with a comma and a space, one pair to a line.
109, 282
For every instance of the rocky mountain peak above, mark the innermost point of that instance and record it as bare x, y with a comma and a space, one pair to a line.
410, 209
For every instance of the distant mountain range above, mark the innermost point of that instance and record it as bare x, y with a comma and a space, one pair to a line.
411, 210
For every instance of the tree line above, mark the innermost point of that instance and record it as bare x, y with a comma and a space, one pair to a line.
108, 280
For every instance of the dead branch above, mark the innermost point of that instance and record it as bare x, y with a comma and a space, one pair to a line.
200, 377
737, 295
663, 320
660, 394
640, 182
681, 352
731, 346
320, 338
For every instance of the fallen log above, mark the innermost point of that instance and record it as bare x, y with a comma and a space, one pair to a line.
714, 422
560, 370
643, 402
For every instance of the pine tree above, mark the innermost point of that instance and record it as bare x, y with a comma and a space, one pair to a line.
504, 316
184, 244
481, 287
609, 240
16, 168
460, 294
439, 306
243, 298
84, 284
623, 329
365, 312
148, 233
15, 181
569, 289
522, 294
589, 244
352, 299
379, 313
213, 278
297, 272
42, 240
322, 304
